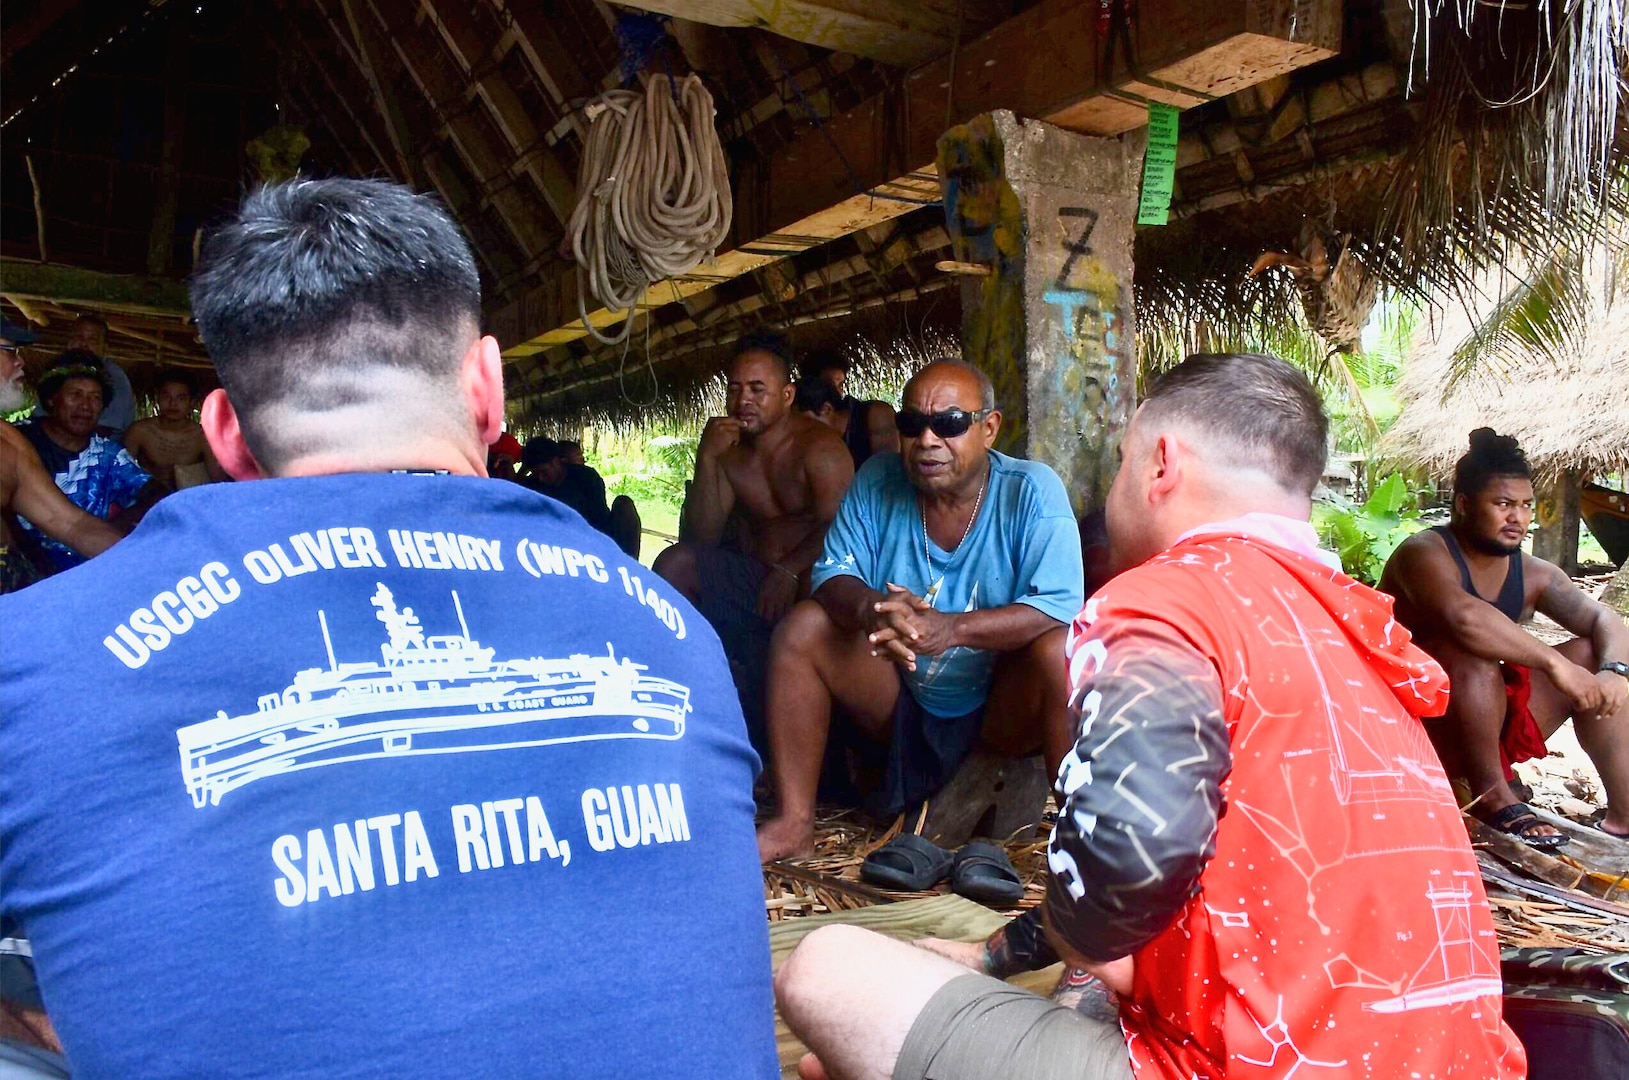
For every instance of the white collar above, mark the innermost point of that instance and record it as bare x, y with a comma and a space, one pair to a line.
1293, 534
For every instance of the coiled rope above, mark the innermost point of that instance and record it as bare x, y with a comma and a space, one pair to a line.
654, 193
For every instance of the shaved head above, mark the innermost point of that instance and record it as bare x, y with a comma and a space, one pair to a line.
950, 368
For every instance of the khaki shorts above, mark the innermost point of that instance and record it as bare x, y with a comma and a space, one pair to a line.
978, 1028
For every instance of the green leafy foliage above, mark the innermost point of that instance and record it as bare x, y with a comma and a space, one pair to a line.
1365, 536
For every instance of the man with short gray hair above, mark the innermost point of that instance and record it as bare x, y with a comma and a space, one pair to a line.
1333, 916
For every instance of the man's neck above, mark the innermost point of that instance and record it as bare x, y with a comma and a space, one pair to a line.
63, 437
773, 436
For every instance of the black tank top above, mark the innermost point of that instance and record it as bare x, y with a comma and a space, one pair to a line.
1512, 599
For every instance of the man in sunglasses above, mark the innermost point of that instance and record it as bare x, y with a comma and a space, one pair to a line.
938, 615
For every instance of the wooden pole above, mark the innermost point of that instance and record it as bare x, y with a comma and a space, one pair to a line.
39, 206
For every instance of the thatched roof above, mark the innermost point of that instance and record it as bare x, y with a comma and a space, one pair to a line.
1566, 406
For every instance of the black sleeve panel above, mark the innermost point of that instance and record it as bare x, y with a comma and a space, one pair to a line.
1140, 793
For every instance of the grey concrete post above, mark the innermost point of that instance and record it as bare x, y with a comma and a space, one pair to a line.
1050, 214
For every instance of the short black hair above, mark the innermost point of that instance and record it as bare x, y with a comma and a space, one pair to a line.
1491, 457
74, 364
1262, 409
539, 451
180, 376
568, 445
823, 360
815, 393
315, 281
770, 341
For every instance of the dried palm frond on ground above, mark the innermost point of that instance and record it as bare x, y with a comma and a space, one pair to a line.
830, 881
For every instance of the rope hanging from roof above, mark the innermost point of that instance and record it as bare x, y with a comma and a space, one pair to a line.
654, 193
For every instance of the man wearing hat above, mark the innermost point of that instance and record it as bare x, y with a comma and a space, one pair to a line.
96, 473
25, 486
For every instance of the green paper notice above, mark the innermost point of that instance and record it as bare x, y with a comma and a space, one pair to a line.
1159, 165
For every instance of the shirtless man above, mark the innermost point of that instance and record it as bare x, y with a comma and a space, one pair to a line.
1464, 590
171, 445
782, 476
27, 489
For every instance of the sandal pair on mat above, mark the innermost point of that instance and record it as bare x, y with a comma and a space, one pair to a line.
980, 871
1519, 821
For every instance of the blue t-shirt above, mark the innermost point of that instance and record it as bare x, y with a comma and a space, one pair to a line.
378, 776
1024, 548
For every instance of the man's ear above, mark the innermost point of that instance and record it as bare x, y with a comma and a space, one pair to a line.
481, 378
992, 427
1165, 461
225, 437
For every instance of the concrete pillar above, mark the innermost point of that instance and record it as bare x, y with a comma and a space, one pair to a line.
1049, 215
1558, 513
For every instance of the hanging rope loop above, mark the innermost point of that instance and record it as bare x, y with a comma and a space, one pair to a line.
654, 193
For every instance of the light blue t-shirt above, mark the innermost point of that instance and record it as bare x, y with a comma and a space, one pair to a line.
1024, 548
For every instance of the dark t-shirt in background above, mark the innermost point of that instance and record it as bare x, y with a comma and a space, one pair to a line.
380, 776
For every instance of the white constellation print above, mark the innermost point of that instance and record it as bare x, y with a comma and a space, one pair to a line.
1278, 1036
1360, 774
441, 694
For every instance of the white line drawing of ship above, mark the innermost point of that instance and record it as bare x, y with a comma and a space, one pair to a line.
1458, 969
428, 695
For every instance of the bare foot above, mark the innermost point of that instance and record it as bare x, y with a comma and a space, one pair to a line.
785, 838
969, 954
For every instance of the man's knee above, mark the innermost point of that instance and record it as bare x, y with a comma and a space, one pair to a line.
677, 566
805, 630
819, 960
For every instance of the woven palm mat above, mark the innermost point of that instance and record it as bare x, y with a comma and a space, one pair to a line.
830, 881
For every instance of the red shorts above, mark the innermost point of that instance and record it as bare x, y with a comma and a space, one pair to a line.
1520, 739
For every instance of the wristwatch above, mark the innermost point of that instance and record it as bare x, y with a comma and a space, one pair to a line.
1616, 667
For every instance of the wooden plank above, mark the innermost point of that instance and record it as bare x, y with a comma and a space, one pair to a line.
138, 293
903, 32
951, 917
840, 177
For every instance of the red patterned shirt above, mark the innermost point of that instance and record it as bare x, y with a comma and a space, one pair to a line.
1317, 910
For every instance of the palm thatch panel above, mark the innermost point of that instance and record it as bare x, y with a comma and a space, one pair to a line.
1566, 404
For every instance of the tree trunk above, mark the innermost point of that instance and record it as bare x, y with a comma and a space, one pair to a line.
1616, 593
1558, 515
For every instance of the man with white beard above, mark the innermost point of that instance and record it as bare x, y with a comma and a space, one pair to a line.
27, 489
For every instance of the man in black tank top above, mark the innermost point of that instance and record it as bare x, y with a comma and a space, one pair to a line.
1463, 590
867, 427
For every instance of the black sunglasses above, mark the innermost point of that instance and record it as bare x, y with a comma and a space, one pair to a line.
947, 425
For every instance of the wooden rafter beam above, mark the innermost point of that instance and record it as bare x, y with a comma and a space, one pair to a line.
370, 53
479, 58
140, 294
417, 46
903, 32
550, 59
840, 177
342, 90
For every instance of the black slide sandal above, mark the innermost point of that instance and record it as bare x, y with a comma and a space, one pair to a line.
1518, 820
907, 863
982, 872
